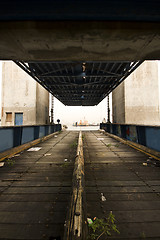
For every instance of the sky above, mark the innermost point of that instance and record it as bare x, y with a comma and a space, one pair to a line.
71, 114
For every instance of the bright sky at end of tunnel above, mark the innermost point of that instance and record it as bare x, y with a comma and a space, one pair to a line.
71, 114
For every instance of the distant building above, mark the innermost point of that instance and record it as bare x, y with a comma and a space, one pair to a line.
137, 99
24, 101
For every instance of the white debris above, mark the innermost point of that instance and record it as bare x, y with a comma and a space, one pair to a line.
47, 178
1, 164
65, 159
16, 155
103, 198
144, 164
34, 149
47, 154
100, 139
55, 136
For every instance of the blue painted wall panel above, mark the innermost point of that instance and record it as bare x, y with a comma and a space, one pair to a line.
6, 139
145, 135
119, 131
18, 119
131, 133
50, 130
41, 131
14, 136
153, 138
27, 134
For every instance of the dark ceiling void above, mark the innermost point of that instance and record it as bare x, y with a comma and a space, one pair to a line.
79, 83
110, 10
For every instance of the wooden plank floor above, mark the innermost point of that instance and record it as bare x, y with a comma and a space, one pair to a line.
130, 182
35, 190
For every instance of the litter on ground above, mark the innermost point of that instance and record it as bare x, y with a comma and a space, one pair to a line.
34, 149
103, 197
144, 164
16, 155
47, 154
1, 164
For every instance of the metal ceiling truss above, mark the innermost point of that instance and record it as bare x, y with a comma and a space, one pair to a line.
79, 83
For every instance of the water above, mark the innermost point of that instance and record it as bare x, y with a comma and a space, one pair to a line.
83, 128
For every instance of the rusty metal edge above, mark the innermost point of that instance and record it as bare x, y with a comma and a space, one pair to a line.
11, 152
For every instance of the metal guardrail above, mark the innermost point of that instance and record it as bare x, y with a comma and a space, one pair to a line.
11, 137
148, 136
74, 220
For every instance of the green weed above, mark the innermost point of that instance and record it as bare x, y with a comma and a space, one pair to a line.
143, 236
109, 145
74, 144
10, 162
65, 164
116, 145
101, 227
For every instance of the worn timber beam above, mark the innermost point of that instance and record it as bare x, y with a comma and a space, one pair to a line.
75, 218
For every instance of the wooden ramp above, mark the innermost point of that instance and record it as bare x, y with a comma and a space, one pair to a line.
130, 182
35, 190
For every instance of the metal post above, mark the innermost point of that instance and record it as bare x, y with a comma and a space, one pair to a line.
52, 109
108, 110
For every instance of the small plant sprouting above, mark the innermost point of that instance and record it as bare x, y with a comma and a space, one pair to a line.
10, 162
65, 164
109, 145
143, 236
100, 227
116, 145
74, 144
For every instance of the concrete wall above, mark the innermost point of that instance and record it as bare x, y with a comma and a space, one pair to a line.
142, 95
141, 99
118, 104
42, 105
19, 95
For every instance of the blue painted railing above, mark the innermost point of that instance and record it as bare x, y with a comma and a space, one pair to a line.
148, 136
15, 136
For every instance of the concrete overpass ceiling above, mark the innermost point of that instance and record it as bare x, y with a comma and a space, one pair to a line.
71, 30
52, 39
79, 41
79, 83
